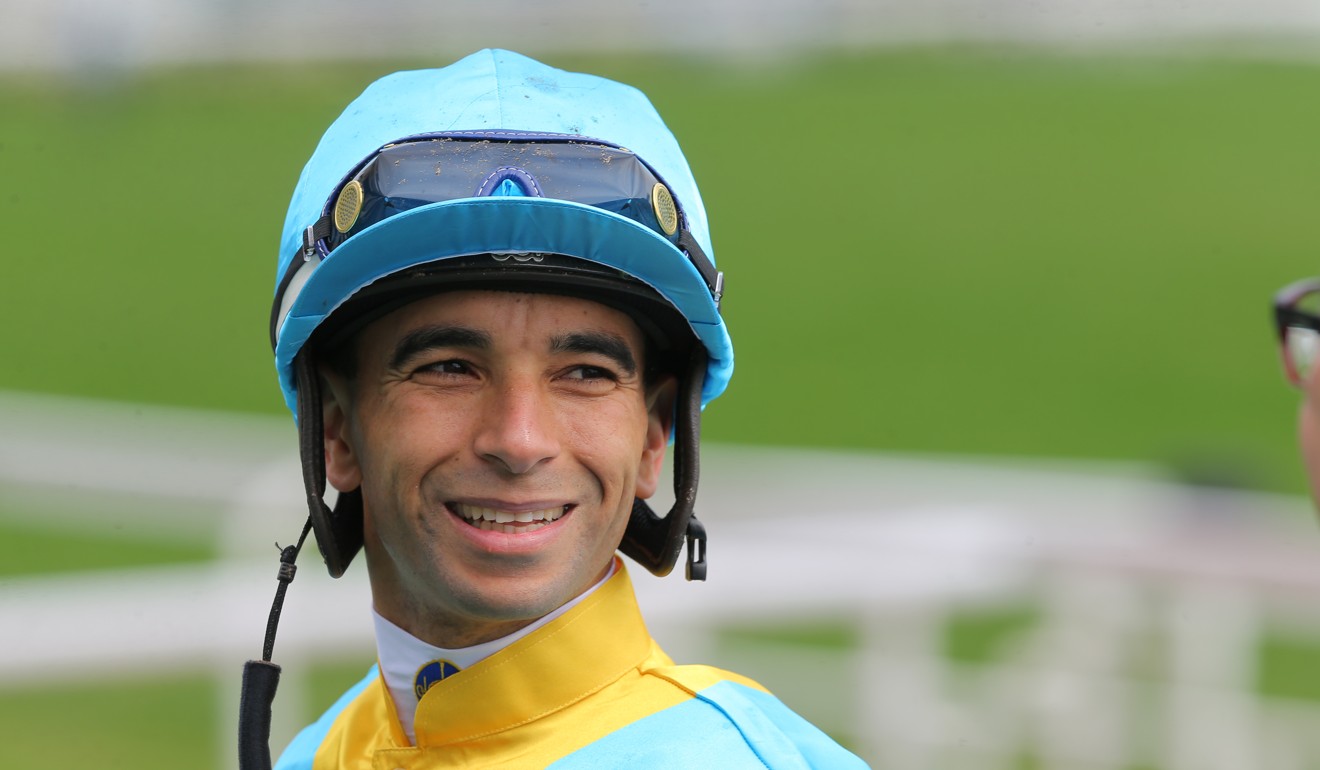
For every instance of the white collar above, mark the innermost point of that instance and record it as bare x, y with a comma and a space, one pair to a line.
402, 655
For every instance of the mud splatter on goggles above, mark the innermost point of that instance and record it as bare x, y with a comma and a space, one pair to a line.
422, 170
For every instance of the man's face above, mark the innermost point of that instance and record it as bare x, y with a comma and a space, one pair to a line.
528, 409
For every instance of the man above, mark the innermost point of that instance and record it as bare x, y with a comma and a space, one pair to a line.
490, 319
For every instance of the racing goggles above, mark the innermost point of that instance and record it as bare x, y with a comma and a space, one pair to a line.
433, 168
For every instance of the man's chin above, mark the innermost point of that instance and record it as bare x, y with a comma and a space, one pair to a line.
516, 599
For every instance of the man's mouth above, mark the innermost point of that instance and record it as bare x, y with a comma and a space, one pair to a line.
509, 522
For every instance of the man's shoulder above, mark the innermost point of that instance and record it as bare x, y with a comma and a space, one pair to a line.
301, 751
729, 721
718, 719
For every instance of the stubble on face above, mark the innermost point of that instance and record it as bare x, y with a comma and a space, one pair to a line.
530, 406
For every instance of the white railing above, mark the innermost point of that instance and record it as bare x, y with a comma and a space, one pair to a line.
1146, 603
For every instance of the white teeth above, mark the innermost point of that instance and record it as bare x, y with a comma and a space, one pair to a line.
494, 520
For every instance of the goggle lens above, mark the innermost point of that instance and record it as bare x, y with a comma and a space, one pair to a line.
427, 170
434, 168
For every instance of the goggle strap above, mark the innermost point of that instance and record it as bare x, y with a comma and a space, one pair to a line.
312, 252
713, 278
317, 232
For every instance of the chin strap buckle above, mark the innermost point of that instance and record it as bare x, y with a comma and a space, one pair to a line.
696, 550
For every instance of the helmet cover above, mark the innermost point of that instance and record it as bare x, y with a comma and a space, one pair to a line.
499, 94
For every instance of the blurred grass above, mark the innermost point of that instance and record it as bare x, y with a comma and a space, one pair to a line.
34, 547
979, 637
1289, 667
142, 724
964, 250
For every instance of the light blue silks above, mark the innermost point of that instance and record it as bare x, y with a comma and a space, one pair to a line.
497, 91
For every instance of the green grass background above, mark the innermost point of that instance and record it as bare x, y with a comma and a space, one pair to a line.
926, 250
981, 251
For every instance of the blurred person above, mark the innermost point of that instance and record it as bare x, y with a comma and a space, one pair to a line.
490, 321
1297, 322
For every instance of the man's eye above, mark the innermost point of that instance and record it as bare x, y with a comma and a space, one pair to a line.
444, 367
589, 373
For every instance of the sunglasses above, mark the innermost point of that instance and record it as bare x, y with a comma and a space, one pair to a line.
1297, 322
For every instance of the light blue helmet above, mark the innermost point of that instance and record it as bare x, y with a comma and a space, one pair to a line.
501, 170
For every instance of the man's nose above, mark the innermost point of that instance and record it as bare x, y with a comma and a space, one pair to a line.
517, 428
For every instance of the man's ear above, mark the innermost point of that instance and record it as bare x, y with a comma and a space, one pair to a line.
342, 468
659, 423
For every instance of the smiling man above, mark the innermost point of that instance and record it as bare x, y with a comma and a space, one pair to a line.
499, 440
495, 306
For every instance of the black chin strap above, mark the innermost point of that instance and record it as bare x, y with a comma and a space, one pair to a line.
338, 536
338, 531
655, 542
261, 677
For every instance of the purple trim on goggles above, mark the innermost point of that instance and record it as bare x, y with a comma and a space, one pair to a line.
525, 181
509, 136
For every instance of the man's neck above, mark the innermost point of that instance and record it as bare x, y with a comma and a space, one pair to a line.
440, 625
402, 654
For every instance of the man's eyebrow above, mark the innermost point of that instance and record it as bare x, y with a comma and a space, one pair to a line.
611, 346
430, 337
